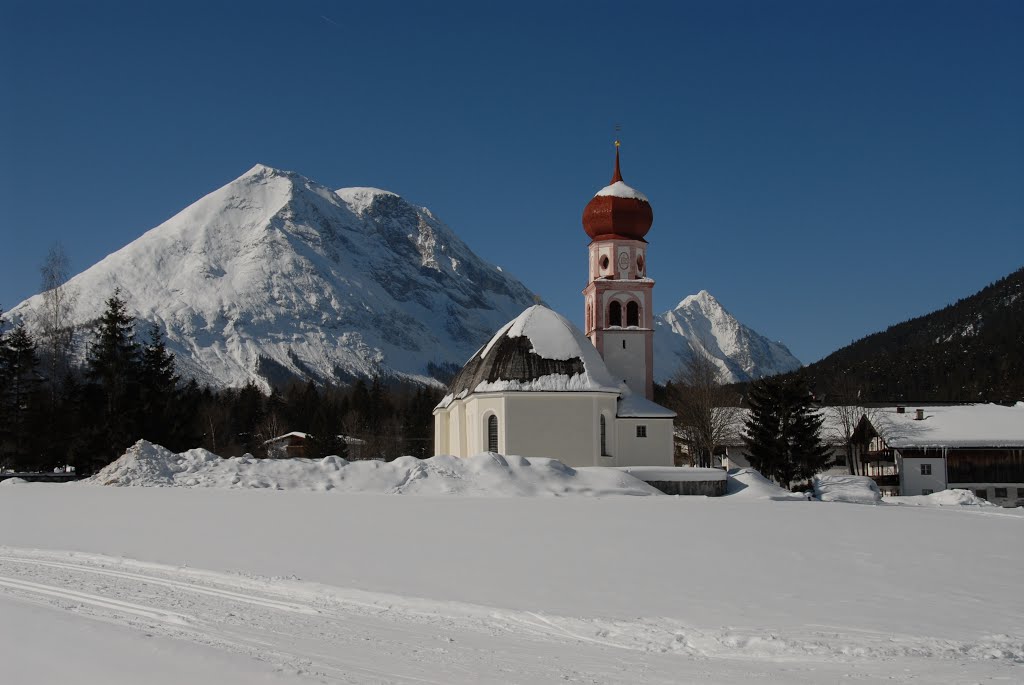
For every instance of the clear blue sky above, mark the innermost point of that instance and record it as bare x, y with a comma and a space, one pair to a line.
825, 169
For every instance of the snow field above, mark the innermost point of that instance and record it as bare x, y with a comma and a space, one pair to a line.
369, 588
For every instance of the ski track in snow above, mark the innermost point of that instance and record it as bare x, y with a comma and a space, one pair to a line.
331, 634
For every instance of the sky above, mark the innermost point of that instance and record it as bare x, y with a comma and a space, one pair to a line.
825, 169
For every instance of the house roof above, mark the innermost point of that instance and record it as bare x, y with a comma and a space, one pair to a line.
632, 405
968, 425
293, 434
539, 350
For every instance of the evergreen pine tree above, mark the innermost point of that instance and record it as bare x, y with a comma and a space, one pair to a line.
113, 369
5, 380
158, 386
18, 395
782, 432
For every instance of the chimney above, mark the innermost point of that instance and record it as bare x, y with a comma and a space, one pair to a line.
920, 415
901, 410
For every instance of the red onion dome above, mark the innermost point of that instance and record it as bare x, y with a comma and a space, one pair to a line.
618, 211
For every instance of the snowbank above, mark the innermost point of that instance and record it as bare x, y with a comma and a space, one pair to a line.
944, 498
146, 464
750, 483
13, 481
856, 489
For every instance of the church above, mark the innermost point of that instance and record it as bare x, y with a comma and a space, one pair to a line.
542, 388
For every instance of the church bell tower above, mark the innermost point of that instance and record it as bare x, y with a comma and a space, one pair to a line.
618, 296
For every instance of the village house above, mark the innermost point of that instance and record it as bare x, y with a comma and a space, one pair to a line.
978, 447
918, 450
293, 444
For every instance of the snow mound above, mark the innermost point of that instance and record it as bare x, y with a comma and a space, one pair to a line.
944, 498
488, 474
13, 481
751, 484
147, 464
856, 489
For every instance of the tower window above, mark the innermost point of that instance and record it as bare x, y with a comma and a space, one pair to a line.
632, 314
641, 431
492, 433
604, 262
615, 314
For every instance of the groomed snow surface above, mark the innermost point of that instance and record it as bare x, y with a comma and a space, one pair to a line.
236, 582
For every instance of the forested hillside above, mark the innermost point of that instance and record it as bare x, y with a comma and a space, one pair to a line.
970, 351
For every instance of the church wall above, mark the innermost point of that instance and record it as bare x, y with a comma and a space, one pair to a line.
456, 424
478, 408
442, 433
561, 426
653, 450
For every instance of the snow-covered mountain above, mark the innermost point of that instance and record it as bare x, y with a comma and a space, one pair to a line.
275, 275
701, 324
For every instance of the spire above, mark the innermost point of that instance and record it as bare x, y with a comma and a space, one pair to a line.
618, 174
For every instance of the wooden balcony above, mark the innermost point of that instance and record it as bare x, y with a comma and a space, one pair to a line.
887, 456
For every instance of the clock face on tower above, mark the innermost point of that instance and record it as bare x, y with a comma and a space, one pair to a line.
623, 261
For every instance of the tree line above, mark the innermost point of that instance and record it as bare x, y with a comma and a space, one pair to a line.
969, 351
781, 432
57, 411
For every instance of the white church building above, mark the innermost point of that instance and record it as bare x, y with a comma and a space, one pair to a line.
542, 388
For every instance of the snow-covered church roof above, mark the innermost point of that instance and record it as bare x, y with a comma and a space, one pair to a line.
538, 350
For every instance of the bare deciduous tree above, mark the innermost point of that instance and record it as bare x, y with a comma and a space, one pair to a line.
56, 331
708, 414
843, 415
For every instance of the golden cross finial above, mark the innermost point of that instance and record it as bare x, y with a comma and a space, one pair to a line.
617, 143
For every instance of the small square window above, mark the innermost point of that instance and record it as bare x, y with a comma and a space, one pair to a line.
982, 493
926, 469
1000, 492
641, 431
927, 491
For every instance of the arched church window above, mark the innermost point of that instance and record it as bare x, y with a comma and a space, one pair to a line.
632, 314
615, 314
492, 433
604, 437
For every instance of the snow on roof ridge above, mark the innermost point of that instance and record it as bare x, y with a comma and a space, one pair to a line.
965, 425
554, 337
620, 189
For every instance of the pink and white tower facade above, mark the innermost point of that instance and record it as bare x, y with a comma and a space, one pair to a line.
618, 296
